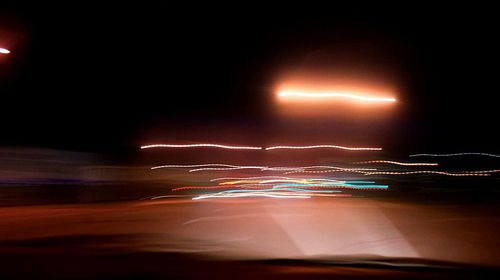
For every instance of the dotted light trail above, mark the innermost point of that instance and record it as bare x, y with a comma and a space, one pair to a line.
195, 165
334, 186
257, 148
322, 147
270, 193
229, 167
218, 187
397, 163
249, 178
325, 171
200, 146
226, 169
252, 194
264, 181
461, 173
330, 95
455, 154
329, 167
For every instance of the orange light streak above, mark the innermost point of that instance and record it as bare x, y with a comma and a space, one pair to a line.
330, 95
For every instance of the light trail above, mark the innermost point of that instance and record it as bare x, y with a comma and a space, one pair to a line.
257, 148
326, 171
200, 146
329, 95
299, 168
271, 194
253, 194
299, 187
285, 189
226, 169
334, 186
217, 187
167, 196
397, 163
194, 165
458, 173
322, 147
249, 178
4, 51
263, 181
326, 167
455, 154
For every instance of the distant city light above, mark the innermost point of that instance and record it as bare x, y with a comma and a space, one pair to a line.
330, 95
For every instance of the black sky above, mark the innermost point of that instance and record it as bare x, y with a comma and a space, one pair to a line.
98, 77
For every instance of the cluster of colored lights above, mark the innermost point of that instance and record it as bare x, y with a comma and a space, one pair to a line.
283, 188
299, 186
321, 169
230, 167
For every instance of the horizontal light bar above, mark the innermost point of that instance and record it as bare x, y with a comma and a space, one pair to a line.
316, 95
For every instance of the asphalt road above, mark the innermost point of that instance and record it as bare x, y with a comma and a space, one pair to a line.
261, 228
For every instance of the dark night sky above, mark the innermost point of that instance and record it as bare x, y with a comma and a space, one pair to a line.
97, 78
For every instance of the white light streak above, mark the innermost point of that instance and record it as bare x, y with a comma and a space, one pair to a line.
455, 154
194, 165
397, 163
458, 173
226, 169
324, 146
200, 146
250, 194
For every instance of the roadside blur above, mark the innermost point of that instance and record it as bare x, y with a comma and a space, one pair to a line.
45, 176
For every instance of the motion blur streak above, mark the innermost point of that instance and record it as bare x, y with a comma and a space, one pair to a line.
250, 178
324, 146
329, 95
200, 146
226, 169
253, 194
325, 171
452, 155
397, 163
334, 186
4, 51
198, 165
462, 173
270, 194
332, 167
299, 168
301, 181
216, 187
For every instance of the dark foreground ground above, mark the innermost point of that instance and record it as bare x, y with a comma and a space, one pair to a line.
380, 236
